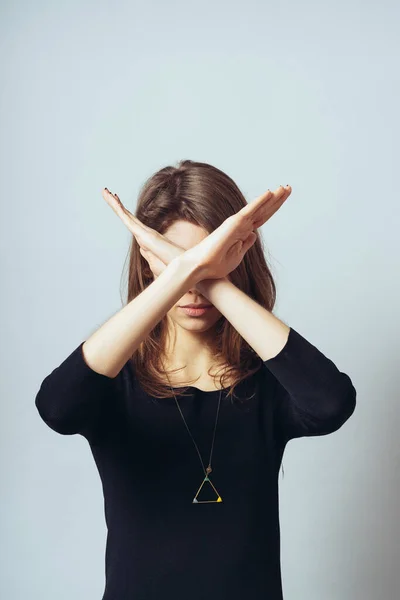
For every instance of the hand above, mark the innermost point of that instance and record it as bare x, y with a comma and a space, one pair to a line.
220, 252
153, 245
164, 250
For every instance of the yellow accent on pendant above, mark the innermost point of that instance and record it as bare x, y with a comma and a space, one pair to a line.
218, 497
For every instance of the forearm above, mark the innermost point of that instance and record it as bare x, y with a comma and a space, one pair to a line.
262, 330
314, 397
109, 347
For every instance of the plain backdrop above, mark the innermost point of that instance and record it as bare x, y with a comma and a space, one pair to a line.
98, 94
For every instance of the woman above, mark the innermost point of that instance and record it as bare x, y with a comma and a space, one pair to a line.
166, 436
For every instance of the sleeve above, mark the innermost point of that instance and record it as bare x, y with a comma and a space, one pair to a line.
74, 398
312, 397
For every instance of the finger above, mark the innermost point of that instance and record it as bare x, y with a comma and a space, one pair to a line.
156, 264
248, 242
266, 211
135, 219
258, 207
115, 203
132, 223
147, 271
266, 200
270, 208
241, 246
151, 240
145, 255
162, 248
146, 237
257, 203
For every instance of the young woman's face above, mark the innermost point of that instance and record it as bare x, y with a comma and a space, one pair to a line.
187, 235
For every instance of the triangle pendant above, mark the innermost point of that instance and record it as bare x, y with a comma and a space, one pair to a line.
206, 493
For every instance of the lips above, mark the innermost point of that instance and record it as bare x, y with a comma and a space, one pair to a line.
195, 305
195, 312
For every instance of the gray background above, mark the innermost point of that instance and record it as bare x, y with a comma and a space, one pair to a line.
272, 93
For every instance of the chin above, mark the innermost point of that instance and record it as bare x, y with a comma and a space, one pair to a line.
197, 327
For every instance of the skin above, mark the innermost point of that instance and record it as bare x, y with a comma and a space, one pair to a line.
213, 256
190, 344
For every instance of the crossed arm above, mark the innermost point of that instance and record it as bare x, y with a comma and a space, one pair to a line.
310, 396
262, 330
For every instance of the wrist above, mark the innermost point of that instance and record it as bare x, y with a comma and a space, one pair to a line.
209, 287
188, 269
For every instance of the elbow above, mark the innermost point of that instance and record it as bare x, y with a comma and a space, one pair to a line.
43, 403
51, 413
43, 406
344, 406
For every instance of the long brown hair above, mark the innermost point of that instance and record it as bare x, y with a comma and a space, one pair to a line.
201, 194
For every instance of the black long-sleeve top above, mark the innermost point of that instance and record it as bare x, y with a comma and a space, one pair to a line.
159, 543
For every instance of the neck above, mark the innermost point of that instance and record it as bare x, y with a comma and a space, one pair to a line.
190, 352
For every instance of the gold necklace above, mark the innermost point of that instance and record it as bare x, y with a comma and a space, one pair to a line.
207, 470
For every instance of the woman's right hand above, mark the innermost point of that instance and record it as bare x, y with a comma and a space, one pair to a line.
148, 239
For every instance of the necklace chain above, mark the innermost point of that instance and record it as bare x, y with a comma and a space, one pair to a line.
209, 468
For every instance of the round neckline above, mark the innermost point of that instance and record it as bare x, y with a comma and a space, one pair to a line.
193, 387
196, 389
